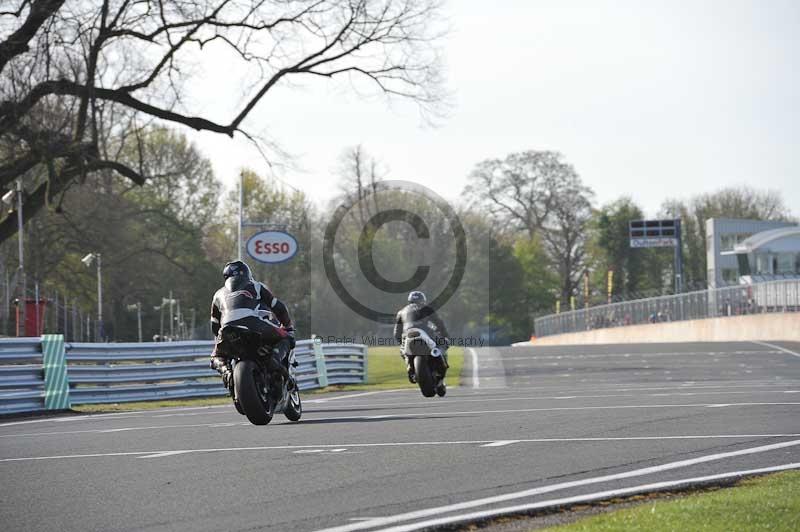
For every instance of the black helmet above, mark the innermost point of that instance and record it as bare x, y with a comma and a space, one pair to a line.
417, 298
236, 274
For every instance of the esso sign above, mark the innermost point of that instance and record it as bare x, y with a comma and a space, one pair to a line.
272, 246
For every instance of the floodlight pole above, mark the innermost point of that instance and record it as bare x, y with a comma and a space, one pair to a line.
241, 216
22, 300
139, 319
171, 322
100, 331
678, 257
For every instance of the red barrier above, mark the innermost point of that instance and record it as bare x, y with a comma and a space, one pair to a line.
34, 319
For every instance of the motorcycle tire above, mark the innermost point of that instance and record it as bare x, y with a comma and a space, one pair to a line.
422, 368
294, 408
257, 407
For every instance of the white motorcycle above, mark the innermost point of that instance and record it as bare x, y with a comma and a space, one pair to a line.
429, 362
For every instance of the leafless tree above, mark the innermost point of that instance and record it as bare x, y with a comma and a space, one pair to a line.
537, 192
359, 174
521, 188
565, 232
81, 78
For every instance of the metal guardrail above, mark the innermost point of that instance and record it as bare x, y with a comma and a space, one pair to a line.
124, 372
21, 375
773, 296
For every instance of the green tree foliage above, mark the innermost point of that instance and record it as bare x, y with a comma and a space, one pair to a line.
539, 279
150, 239
637, 272
490, 300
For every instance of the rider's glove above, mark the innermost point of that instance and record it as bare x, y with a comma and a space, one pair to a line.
291, 336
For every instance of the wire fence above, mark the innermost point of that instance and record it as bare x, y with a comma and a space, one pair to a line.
773, 296
51, 312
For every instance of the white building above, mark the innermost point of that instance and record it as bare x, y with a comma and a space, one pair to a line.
769, 255
723, 235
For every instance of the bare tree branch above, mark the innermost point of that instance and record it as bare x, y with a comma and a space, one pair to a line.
17, 42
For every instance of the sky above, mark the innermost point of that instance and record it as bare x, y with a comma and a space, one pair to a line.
653, 100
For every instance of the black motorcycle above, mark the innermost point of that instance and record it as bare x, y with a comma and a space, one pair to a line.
260, 391
427, 360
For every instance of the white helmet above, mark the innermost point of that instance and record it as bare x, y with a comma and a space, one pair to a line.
417, 297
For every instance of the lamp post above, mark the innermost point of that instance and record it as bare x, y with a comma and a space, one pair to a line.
8, 198
171, 320
87, 260
138, 308
170, 302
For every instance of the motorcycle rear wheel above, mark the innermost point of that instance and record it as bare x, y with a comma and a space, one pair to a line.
257, 407
422, 368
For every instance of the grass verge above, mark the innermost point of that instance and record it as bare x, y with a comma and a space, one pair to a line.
150, 405
764, 503
385, 371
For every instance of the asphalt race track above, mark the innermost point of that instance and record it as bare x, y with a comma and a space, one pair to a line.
529, 426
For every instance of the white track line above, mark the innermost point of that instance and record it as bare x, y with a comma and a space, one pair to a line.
591, 497
465, 399
695, 354
779, 348
163, 412
418, 514
112, 415
500, 443
62, 419
412, 444
428, 415
349, 396
476, 382
165, 453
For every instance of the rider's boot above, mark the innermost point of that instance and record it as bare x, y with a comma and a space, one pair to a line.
412, 375
441, 388
221, 365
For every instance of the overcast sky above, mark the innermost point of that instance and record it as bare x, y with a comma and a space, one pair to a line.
645, 98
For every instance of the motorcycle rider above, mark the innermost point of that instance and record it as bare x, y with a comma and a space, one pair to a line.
244, 301
417, 314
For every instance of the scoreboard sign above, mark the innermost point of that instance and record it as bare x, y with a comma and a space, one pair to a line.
272, 247
654, 233
653, 242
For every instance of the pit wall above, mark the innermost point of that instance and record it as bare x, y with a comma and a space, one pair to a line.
776, 327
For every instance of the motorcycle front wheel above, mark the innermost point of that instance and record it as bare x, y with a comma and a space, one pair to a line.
294, 408
252, 393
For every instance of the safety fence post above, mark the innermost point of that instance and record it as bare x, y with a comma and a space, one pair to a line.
366, 359
319, 356
54, 364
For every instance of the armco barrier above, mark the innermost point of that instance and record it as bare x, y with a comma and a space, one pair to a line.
21, 375
124, 372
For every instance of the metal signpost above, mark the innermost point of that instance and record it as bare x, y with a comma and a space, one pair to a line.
272, 245
660, 234
87, 261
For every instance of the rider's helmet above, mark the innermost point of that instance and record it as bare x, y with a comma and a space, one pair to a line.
237, 275
416, 297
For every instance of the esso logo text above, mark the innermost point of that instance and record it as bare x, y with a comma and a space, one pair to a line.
272, 246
